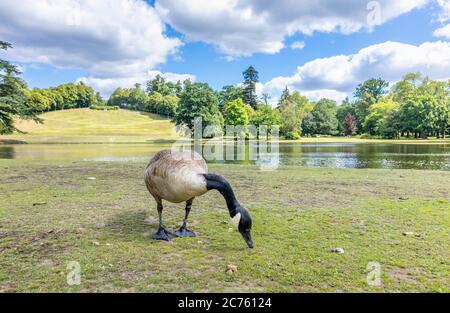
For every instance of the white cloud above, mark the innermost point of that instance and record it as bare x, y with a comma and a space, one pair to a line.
442, 32
106, 86
298, 45
445, 13
111, 40
243, 27
444, 16
337, 76
316, 95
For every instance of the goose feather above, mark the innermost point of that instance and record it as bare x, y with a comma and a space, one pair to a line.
176, 176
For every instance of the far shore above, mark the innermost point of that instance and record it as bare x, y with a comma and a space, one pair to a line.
142, 139
84, 126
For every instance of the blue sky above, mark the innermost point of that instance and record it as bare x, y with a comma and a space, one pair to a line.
215, 43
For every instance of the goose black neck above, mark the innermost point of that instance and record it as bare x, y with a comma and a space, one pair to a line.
219, 183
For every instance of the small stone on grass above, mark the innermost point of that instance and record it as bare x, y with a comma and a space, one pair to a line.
338, 250
410, 233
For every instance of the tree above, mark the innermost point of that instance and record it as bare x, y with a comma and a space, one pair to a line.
291, 123
409, 115
407, 87
292, 110
368, 93
434, 115
322, 119
424, 106
175, 89
374, 121
99, 99
250, 79
250, 111
86, 96
38, 98
56, 98
440, 92
154, 102
374, 88
265, 98
158, 84
137, 98
325, 115
300, 101
235, 113
229, 93
350, 125
117, 98
284, 96
13, 100
391, 126
265, 115
169, 105
345, 108
198, 100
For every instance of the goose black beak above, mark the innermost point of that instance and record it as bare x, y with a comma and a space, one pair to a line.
248, 239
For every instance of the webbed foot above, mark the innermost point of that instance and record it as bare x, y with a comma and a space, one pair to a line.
184, 232
163, 234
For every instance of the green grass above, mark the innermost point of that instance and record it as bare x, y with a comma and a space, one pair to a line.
93, 126
51, 214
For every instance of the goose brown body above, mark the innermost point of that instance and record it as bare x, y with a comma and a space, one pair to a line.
176, 176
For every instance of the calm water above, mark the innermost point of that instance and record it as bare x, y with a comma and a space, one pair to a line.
336, 155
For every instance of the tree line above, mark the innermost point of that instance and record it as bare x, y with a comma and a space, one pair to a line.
416, 106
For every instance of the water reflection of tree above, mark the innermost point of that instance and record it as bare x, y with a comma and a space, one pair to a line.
344, 155
7, 152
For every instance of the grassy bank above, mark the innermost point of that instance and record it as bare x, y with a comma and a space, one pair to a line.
92, 126
52, 213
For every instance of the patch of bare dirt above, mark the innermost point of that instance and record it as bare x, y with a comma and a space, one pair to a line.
403, 275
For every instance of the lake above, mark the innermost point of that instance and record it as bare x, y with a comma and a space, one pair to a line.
334, 155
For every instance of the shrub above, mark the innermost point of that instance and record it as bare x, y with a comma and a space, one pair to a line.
104, 107
293, 135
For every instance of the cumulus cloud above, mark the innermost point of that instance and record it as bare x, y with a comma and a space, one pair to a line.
243, 27
112, 40
443, 17
445, 13
337, 76
442, 32
298, 45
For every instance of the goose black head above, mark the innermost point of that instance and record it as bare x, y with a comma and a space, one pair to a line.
243, 222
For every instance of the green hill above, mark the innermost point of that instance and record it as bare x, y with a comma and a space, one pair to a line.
85, 125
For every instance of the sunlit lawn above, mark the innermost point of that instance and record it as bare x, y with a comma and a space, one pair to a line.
92, 126
51, 213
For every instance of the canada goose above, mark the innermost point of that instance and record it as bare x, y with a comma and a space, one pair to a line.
180, 176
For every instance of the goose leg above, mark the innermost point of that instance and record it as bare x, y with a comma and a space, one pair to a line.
183, 231
162, 233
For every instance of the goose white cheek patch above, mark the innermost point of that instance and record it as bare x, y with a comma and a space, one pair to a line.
235, 220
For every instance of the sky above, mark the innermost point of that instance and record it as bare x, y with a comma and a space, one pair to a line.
321, 48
